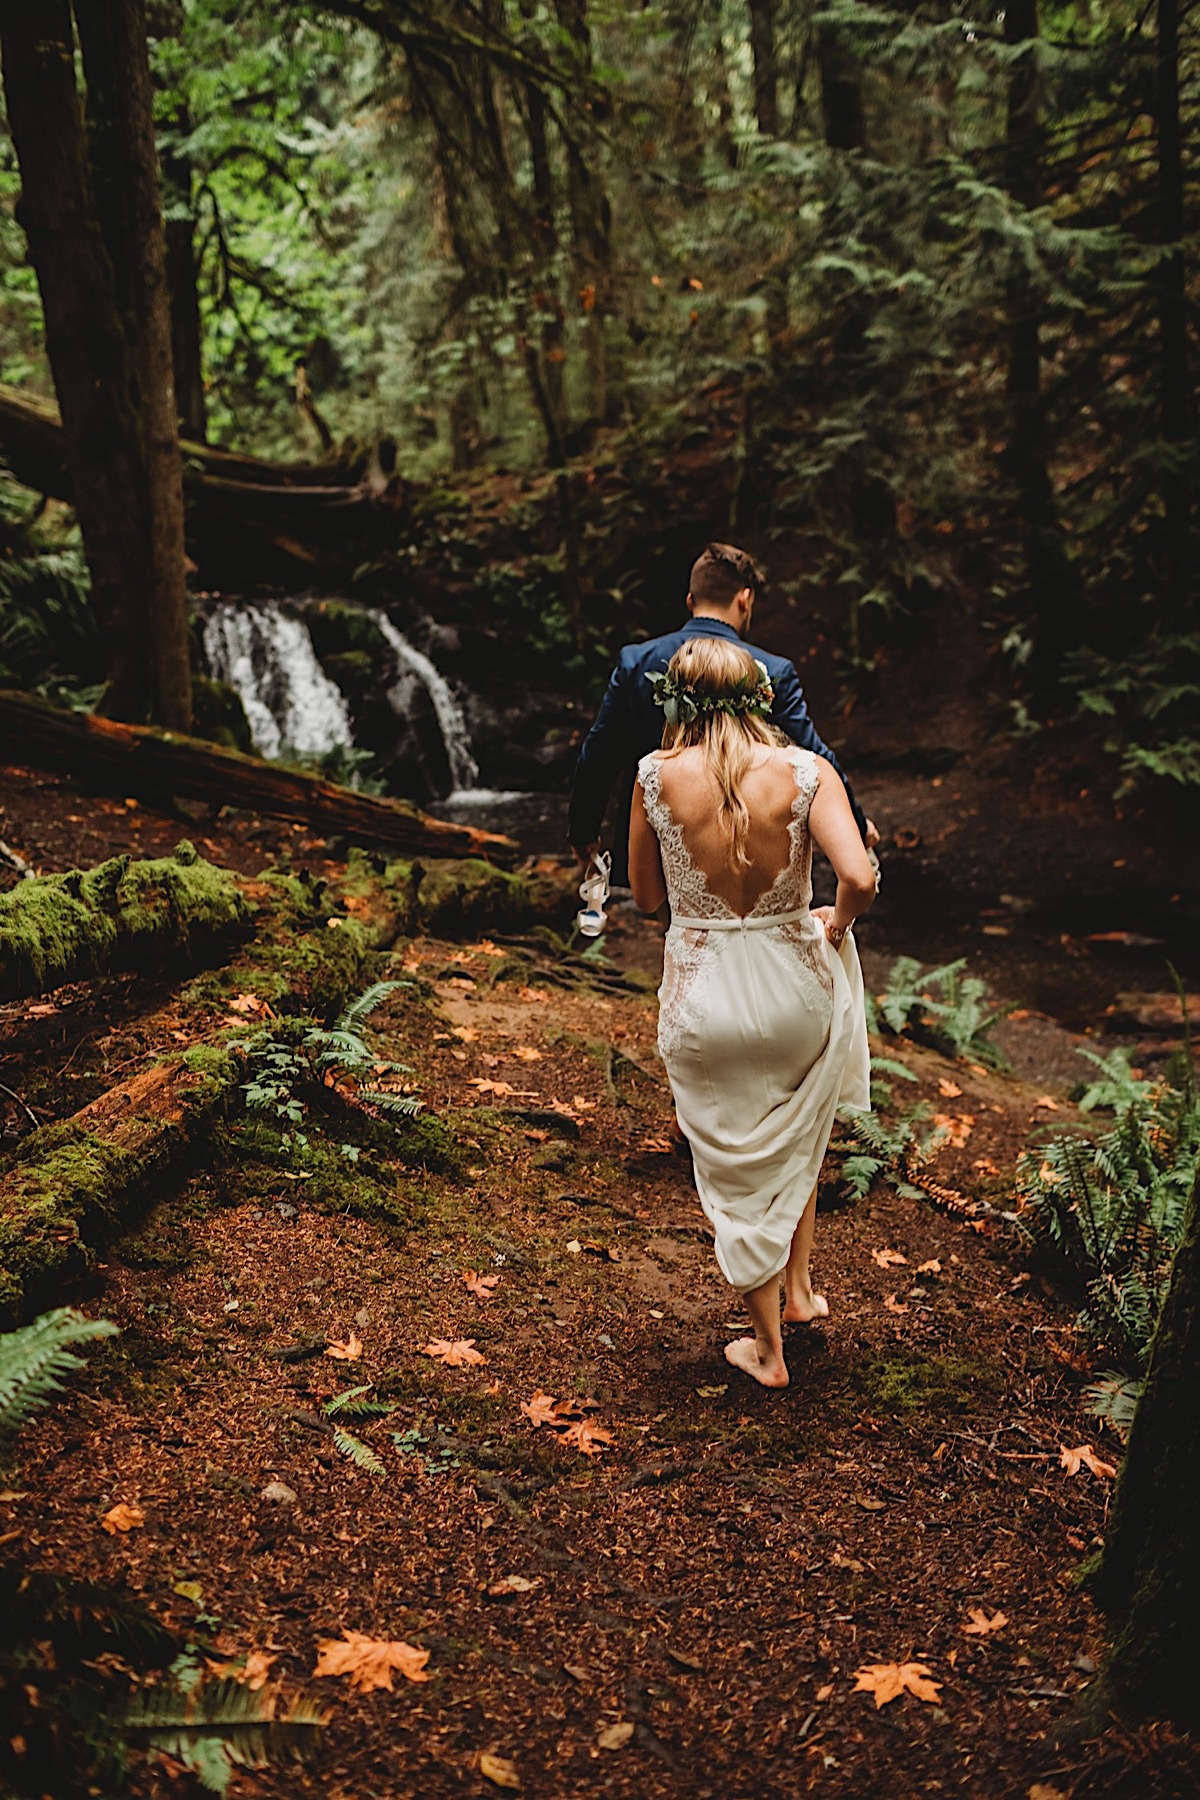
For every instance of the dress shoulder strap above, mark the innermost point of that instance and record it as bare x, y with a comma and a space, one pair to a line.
650, 775
806, 767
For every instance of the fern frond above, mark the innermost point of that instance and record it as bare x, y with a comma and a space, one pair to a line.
360, 1454
360, 1009
394, 1106
33, 1357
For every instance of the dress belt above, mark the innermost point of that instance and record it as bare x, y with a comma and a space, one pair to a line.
748, 922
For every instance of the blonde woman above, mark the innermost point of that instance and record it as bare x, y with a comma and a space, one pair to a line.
761, 1021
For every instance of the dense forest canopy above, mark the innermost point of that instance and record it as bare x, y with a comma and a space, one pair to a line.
920, 278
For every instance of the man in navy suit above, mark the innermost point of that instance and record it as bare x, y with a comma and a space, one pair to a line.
721, 594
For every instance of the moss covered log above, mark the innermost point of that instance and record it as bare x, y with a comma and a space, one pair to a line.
123, 914
1149, 1577
73, 1184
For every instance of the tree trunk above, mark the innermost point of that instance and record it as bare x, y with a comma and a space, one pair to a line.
766, 76
120, 109
1149, 1580
1046, 563
842, 113
85, 340
156, 765
591, 219
1176, 396
182, 269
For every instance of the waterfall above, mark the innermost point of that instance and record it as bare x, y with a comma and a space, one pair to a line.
267, 655
464, 770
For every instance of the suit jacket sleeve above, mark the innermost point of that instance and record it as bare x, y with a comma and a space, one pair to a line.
602, 756
790, 712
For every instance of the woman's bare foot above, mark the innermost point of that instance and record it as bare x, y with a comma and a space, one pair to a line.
805, 1308
771, 1371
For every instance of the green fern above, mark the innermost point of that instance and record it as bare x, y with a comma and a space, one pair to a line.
354, 1404
221, 1725
360, 1454
289, 1060
943, 1008
34, 1357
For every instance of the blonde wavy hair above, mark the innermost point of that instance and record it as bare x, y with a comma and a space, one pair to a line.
716, 668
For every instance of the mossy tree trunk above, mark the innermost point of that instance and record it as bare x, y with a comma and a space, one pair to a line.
1149, 1579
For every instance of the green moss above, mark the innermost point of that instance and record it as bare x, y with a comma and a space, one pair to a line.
219, 716
905, 1382
66, 1180
68, 927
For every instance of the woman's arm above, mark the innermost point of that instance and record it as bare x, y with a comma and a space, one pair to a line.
645, 860
835, 832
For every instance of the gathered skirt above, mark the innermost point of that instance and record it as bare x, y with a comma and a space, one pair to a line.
759, 1065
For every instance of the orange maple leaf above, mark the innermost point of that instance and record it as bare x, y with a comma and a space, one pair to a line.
350, 1351
590, 1439
503, 1088
1085, 1457
369, 1662
246, 1003
887, 1681
957, 1126
542, 1409
949, 1090
538, 996
456, 1353
932, 1267
122, 1517
480, 1285
527, 1053
885, 1258
981, 1625
252, 1673
892, 1305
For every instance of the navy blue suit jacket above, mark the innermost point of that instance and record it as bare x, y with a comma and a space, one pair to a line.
629, 725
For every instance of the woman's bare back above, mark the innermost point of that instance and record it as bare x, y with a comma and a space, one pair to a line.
769, 791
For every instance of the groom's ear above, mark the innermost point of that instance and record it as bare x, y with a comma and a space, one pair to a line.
691, 603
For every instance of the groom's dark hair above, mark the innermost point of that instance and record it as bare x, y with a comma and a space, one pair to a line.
720, 572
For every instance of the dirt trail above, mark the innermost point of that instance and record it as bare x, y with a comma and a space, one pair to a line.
680, 1613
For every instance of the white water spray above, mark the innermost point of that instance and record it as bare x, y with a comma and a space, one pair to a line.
267, 655
464, 770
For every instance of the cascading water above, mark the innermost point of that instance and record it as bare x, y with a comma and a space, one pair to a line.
267, 655
464, 770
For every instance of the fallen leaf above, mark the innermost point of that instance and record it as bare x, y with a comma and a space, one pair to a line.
588, 1438
189, 1590
513, 1584
541, 1409
886, 1258
887, 1681
658, 1145
246, 1003
350, 1351
480, 1285
574, 1246
1041, 1790
123, 1518
615, 1737
527, 1053
252, 1673
501, 1771
682, 1660
467, 1033
485, 947
981, 1625
504, 1089
892, 1305
456, 1353
985, 1165
711, 1393
1085, 1457
932, 1267
824, 1692
957, 1126
1048, 1101
1049, 1175
538, 996
869, 1505
949, 1090
369, 1662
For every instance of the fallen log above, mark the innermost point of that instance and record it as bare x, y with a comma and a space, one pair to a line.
247, 519
123, 914
155, 765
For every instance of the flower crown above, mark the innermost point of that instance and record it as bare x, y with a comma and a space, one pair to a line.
681, 705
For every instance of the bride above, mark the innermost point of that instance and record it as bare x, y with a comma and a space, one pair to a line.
761, 1022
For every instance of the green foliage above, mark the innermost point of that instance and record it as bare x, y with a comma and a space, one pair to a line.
943, 1008
1109, 1211
220, 1726
1150, 697
48, 637
895, 1148
292, 1063
35, 1357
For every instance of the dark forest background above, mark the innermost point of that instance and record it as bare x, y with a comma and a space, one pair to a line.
903, 297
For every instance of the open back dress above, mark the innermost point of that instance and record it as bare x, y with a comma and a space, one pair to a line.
763, 1033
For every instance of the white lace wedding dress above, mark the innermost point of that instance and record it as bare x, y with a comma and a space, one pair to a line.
763, 1033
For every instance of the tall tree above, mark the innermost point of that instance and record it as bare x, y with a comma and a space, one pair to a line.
120, 115
1177, 402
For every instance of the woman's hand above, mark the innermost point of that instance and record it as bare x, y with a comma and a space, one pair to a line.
834, 932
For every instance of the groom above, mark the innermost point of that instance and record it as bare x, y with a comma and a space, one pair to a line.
721, 594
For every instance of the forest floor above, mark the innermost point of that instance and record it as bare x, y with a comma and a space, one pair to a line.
668, 1586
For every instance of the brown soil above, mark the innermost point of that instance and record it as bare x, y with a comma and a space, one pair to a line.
716, 1576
